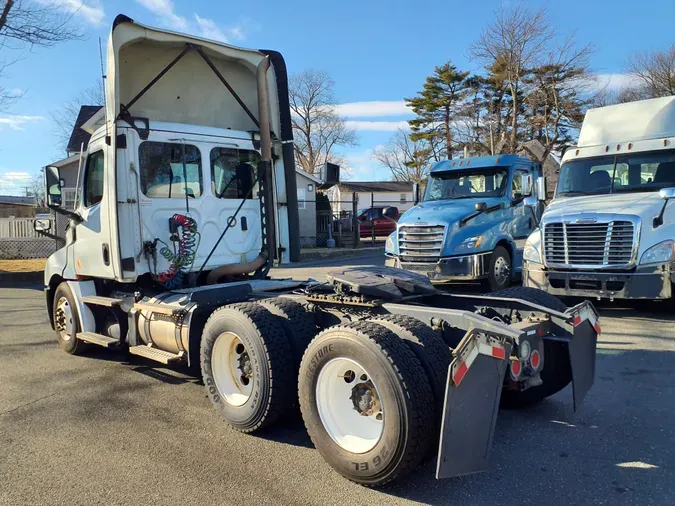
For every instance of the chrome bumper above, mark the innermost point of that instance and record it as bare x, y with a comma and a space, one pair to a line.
461, 268
652, 282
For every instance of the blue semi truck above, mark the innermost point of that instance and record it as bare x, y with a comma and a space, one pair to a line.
473, 221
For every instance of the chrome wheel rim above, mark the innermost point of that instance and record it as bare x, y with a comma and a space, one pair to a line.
63, 319
232, 369
502, 270
349, 405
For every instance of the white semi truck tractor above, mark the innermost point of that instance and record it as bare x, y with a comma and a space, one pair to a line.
186, 198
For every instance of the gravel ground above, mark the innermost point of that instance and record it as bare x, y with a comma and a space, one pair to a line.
103, 429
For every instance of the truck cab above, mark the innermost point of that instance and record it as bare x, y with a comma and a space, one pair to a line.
472, 222
609, 231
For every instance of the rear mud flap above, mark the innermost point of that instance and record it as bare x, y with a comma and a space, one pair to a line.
471, 404
582, 349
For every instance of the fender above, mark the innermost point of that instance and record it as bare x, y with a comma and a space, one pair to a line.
82, 289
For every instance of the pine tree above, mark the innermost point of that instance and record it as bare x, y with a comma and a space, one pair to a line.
436, 105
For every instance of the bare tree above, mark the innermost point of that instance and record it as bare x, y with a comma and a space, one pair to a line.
407, 159
65, 116
655, 72
559, 92
27, 23
317, 127
514, 42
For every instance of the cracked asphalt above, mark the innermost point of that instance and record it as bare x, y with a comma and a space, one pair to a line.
103, 429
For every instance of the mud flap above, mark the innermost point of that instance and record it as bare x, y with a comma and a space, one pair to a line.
582, 349
471, 404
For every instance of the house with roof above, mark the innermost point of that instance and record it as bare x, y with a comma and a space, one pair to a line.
16, 207
397, 194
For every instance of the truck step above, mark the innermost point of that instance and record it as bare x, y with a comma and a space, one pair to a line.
159, 308
100, 339
155, 354
97, 300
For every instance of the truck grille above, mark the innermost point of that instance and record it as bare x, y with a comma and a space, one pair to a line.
420, 243
589, 244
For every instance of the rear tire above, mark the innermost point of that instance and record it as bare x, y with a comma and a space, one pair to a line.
298, 323
352, 440
247, 366
557, 371
429, 348
67, 320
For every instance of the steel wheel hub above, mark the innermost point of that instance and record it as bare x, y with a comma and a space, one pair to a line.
232, 369
63, 319
349, 405
502, 270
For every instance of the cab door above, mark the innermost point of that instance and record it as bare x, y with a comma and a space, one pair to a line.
523, 221
92, 252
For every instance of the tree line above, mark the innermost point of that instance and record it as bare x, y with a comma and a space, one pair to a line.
535, 84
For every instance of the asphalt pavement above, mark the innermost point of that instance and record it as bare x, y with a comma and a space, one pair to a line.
103, 429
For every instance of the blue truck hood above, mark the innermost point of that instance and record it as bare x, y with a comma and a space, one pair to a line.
442, 211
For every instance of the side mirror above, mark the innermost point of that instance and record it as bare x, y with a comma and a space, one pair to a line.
531, 201
390, 213
526, 185
53, 185
480, 207
667, 193
541, 188
42, 225
416, 193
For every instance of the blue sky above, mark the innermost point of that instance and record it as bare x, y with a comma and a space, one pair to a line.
377, 51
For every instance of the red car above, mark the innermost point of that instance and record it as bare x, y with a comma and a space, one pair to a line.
372, 217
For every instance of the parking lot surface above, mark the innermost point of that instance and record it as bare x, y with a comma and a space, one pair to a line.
103, 429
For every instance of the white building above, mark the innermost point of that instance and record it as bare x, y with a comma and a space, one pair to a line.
397, 194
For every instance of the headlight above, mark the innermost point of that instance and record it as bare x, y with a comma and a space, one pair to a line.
470, 243
531, 251
659, 253
389, 245
531, 254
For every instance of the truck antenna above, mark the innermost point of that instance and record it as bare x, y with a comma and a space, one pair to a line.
103, 78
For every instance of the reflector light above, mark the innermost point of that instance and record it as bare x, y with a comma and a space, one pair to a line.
515, 368
461, 372
534, 359
498, 352
577, 321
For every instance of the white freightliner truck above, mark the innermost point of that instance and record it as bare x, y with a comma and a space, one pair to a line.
609, 232
186, 199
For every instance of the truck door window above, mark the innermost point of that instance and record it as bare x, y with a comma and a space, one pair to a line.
93, 179
233, 173
162, 174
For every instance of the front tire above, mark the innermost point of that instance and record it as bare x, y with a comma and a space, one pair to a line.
499, 276
366, 402
247, 366
67, 320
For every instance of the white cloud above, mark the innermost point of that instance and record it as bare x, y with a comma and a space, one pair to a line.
90, 10
164, 10
364, 167
209, 29
614, 81
16, 122
374, 109
13, 182
377, 126
204, 27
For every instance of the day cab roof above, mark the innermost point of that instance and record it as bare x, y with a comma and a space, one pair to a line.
479, 162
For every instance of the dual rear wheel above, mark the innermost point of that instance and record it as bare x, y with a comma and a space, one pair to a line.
369, 392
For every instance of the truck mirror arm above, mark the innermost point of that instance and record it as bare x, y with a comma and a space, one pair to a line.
658, 219
70, 214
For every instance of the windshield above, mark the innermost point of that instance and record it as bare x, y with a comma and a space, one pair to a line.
458, 184
641, 172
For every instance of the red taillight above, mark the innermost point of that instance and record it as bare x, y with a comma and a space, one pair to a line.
535, 359
515, 368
